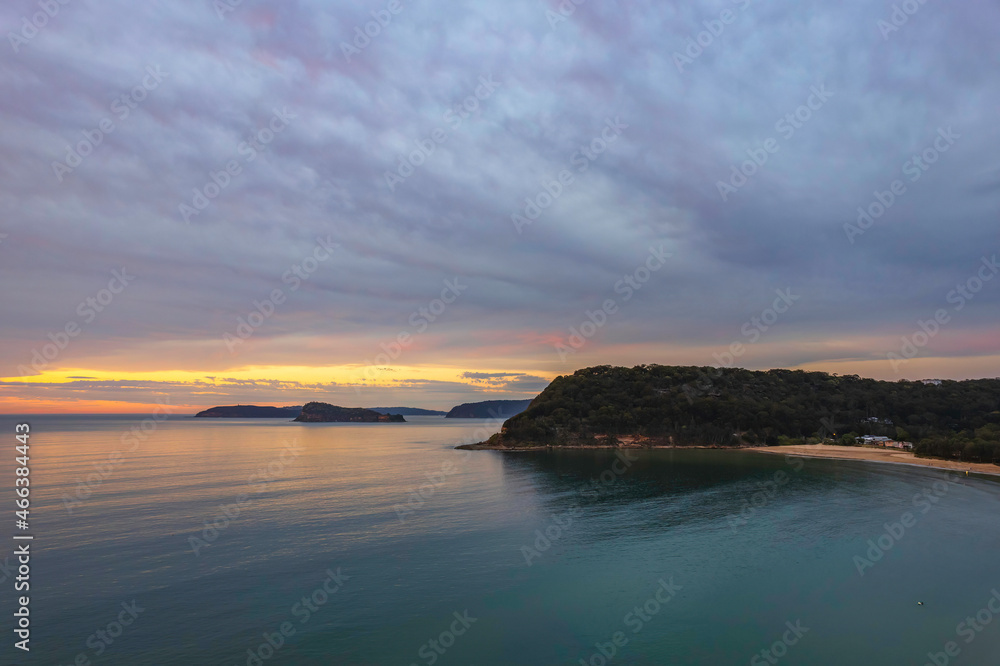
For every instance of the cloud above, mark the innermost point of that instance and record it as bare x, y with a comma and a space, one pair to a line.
499, 381
357, 119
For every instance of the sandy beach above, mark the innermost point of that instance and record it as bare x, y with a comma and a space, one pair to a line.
878, 455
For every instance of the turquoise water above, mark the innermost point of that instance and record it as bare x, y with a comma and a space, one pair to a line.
651, 556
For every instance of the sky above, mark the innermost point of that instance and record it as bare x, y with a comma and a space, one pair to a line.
388, 203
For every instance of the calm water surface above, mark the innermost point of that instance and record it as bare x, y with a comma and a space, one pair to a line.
316, 499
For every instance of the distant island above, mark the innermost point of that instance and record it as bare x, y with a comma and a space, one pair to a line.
657, 405
488, 409
321, 412
251, 412
408, 411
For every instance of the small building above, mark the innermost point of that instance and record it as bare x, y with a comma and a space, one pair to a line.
870, 440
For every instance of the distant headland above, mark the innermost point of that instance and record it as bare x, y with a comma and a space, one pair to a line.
497, 409
251, 412
408, 411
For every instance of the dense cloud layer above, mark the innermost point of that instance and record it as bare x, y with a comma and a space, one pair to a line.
302, 135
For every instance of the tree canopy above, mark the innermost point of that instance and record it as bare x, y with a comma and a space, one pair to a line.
737, 407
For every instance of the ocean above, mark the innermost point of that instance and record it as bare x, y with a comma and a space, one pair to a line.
260, 542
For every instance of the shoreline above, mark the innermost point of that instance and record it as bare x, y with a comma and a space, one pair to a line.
481, 446
886, 456
819, 451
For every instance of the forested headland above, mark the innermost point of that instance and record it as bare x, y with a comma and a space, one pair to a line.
655, 405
